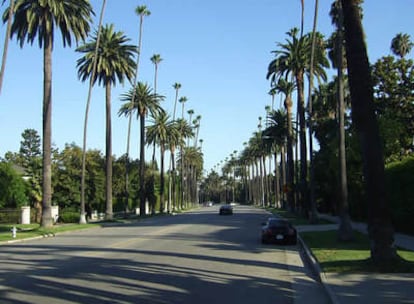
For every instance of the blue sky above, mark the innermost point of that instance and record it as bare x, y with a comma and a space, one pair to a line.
217, 50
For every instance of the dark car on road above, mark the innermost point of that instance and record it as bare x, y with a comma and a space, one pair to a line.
226, 210
278, 230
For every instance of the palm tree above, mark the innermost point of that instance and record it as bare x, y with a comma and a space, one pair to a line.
401, 44
6, 39
313, 215
145, 102
287, 88
82, 219
177, 87
156, 59
292, 59
197, 127
159, 132
115, 62
380, 229
277, 132
142, 12
37, 20
345, 232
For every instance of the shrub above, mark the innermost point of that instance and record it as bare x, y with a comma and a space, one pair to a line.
400, 178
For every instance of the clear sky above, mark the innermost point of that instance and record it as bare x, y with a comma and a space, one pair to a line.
218, 50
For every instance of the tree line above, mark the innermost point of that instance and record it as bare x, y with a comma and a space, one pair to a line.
361, 119
108, 58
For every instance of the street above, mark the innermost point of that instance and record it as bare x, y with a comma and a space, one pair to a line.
198, 257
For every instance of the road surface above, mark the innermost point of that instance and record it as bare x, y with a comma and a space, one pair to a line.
197, 257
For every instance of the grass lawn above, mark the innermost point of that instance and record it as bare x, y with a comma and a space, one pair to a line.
354, 256
294, 218
34, 230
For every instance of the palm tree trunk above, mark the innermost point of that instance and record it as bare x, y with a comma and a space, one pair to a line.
283, 174
47, 220
312, 215
290, 174
108, 154
82, 219
6, 42
303, 150
345, 232
162, 182
380, 230
277, 182
142, 204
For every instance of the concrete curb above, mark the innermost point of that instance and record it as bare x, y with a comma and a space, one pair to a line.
316, 269
27, 239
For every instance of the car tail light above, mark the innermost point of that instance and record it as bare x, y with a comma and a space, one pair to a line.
291, 231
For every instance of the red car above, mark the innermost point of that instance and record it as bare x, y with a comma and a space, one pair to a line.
278, 230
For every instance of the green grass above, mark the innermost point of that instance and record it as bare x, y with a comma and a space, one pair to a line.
294, 218
353, 256
34, 230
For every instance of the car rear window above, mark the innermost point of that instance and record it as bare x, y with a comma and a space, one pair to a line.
278, 223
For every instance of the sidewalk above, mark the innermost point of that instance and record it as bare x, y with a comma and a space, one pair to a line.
363, 288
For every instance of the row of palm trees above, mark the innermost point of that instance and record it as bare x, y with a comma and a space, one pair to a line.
108, 58
305, 54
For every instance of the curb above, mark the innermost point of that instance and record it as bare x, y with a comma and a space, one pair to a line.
27, 239
316, 269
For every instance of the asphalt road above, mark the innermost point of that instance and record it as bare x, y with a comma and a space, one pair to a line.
198, 257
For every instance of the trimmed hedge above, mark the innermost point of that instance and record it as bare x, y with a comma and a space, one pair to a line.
400, 185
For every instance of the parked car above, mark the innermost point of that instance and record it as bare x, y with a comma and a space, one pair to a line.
226, 209
278, 230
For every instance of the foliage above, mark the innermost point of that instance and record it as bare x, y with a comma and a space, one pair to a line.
13, 189
394, 102
400, 179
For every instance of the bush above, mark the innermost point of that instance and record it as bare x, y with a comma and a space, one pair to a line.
12, 188
69, 217
400, 179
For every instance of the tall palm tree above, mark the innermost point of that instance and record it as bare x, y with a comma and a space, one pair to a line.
159, 132
313, 215
145, 101
156, 59
9, 20
177, 87
401, 44
277, 132
197, 127
37, 20
142, 12
287, 89
115, 62
345, 232
82, 219
292, 60
380, 229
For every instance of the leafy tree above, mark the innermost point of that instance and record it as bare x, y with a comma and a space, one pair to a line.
12, 187
31, 161
66, 178
394, 104
114, 63
37, 19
